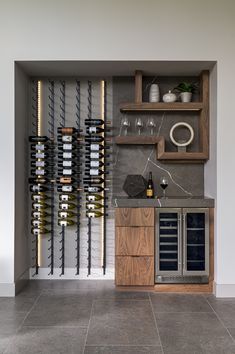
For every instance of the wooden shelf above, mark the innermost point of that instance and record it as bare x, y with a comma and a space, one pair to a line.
161, 106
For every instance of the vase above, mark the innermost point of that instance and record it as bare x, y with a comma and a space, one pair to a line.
186, 96
154, 93
169, 97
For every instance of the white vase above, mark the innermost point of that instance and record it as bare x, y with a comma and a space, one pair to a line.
169, 97
154, 93
186, 96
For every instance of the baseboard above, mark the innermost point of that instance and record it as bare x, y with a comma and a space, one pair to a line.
70, 273
21, 282
224, 290
7, 289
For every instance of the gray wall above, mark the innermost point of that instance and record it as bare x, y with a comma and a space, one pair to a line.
184, 179
21, 173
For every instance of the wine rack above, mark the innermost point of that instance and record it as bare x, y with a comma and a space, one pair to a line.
67, 181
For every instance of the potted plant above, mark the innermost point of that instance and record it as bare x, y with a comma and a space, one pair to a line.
186, 90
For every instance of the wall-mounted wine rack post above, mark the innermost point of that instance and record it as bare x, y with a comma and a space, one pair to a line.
89, 219
78, 123
51, 124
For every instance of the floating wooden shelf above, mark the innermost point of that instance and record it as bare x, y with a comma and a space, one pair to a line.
162, 155
161, 106
201, 107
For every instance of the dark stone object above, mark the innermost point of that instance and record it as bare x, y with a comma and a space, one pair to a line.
135, 186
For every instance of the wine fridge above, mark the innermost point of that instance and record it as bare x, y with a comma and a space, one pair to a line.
182, 246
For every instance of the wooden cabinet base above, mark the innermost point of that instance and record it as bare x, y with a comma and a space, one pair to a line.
132, 270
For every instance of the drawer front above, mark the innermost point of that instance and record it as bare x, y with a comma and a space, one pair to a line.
134, 241
134, 216
132, 270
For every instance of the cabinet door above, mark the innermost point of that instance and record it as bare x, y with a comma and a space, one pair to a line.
134, 241
196, 242
168, 245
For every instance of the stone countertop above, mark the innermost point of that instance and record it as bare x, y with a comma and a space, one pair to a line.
168, 202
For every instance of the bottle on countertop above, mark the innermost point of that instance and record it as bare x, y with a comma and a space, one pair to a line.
150, 189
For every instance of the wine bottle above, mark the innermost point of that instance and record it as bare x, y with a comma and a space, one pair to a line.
40, 230
66, 138
67, 163
66, 214
68, 130
94, 205
95, 180
66, 171
95, 155
40, 214
66, 222
96, 163
94, 138
40, 155
67, 197
38, 180
41, 172
66, 180
37, 188
95, 172
96, 147
96, 122
66, 188
67, 206
95, 130
94, 214
40, 205
42, 163
94, 197
66, 155
149, 190
40, 196
40, 147
94, 189
35, 139
66, 147
39, 222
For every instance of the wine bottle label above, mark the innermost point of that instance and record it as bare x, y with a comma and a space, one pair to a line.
67, 188
36, 214
94, 172
67, 163
149, 192
37, 206
40, 163
94, 147
64, 197
91, 215
93, 189
94, 155
40, 147
37, 197
94, 163
67, 155
36, 222
63, 214
40, 155
92, 130
67, 146
35, 188
90, 206
63, 223
67, 138
64, 206
91, 198
67, 172
66, 180
40, 172
36, 231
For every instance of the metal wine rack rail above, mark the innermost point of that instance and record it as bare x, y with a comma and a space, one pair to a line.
68, 172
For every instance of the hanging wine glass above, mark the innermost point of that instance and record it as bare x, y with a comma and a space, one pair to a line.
139, 124
164, 185
125, 123
151, 125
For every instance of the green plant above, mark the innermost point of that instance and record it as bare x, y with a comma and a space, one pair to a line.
186, 87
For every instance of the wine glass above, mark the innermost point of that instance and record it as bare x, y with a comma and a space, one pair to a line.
125, 123
164, 185
151, 124
139, 124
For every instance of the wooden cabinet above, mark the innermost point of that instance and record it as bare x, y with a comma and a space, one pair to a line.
134, 246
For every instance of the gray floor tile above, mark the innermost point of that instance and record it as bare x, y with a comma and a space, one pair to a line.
38, 285
4, 341
48, 340
193, 333
225, 309
122, 323
232, 332
179, 303
123, 350
10, 322
20, 303
64, 310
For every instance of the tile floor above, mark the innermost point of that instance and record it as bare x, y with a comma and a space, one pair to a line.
91, 317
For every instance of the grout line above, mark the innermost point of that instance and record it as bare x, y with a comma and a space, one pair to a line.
88, 327
124, 345
155, 321
220, 320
